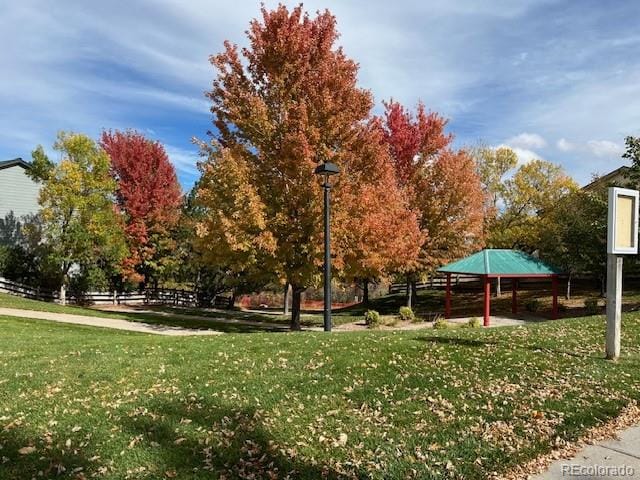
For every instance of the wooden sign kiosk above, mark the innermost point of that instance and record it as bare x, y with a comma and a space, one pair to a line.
622, 239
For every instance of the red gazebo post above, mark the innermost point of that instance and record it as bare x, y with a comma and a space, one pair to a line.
447, 298
487, 300
554, 288
514, 296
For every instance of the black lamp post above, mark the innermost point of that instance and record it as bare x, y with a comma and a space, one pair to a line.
327, 169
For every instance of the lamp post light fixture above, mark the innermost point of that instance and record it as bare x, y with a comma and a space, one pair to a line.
327, 169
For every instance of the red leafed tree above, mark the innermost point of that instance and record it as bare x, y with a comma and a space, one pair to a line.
441, 186
149, 196
413, 140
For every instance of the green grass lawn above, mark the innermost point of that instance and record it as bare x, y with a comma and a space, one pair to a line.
80, 402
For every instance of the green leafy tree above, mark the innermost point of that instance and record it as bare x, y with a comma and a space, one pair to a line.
632, 152
536, 187
24, 256
575, 234
80, 223
492, 165
41, 166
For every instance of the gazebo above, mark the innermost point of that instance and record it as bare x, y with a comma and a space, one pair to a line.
500, 263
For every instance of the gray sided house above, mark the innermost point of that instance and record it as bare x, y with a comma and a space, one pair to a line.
619, 176
18, 192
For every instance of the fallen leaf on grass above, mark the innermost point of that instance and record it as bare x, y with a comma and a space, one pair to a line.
26, 450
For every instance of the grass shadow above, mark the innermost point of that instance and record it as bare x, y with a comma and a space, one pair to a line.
221, 442
475, 343
47, 460
218, 441
226, 325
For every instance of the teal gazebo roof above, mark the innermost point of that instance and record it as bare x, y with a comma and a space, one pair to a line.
501, 262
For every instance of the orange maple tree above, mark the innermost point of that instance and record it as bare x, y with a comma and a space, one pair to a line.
441, 185
282, 105
377, 233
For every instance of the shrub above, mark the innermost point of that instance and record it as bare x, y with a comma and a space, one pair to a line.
474, 322
440, 324
371, 318
407, 315
532, 305
591, 306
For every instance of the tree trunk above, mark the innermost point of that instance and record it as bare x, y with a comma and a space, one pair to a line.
285, 306
498, 288
365, 291
409, 293
414, 291
63, 294
568, 295
232, 300
295, 307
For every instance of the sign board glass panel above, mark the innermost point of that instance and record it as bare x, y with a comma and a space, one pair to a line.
622, 223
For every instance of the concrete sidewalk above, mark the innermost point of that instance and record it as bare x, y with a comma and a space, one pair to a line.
610, 459
106, 322
494, 321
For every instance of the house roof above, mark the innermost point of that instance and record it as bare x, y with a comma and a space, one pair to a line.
15, 162
612, 176
500, 262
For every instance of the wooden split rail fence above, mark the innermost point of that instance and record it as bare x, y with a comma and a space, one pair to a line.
437, 282
159, 296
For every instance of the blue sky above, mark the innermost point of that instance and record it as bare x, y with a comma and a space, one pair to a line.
558, 80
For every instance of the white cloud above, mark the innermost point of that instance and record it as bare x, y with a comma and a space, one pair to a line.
525, 145
524, 155
527, 141
604, 148
565, 145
